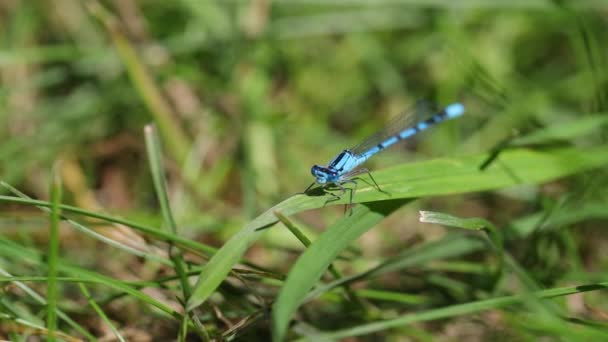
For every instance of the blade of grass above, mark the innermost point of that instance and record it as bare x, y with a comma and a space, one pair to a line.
53, 255
302, 238
474, 223
150, 231
429, 178
392, 296
580, 127
311, 265
459, 175
156, 168
160, 185
33, 328
147, 88
480, 224
460, 310
12, 250
95, 235
100, 312
39, 299
306, 242
565, 216
454, 245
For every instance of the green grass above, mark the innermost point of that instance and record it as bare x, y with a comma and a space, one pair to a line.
153, 155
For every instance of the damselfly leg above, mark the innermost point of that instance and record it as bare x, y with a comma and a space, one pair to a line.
356, 173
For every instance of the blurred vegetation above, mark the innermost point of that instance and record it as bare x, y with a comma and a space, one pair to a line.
245, 96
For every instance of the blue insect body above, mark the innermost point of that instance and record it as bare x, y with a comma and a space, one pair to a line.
344, 166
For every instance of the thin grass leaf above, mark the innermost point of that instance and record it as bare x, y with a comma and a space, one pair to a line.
53, 255
311, 265
293, 229
346, 21
564, 131
391, 296
156, 166
160, 185
429, 178
151, 231
144, 83
40, 300
454, 244
565, 216
460, 175
462, 309
306, 242
453, 221
11, 249
33, 328
463, 4
474, 223
93, 234
302, 238
505, 259
100, 312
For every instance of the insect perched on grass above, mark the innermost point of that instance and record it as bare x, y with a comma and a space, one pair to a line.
344, 167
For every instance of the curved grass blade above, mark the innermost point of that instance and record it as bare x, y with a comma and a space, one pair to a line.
454, 245
92, 233
463, 309
429, 178
581, 127
12, 250
318, 256
185, 243
160, 186
40, 300
52, 285
100, 312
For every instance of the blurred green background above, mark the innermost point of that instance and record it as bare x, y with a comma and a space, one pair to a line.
248, 95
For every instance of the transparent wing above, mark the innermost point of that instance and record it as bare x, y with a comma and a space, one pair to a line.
421, 111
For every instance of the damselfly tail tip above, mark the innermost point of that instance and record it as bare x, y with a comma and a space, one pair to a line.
454, 110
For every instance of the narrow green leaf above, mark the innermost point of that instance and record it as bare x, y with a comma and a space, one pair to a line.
316, 259
100, 312
496, 243
11, 249
306, 242
92, 233
429, 178
452, 221
157, 170
150, 231
141, 78
39, 299
454, 245
53, 256
160, 186
392, 296
474, 223
564, 130
293, 229
459, 310
451, 246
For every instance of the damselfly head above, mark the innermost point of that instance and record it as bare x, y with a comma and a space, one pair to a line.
320, 173
324, 174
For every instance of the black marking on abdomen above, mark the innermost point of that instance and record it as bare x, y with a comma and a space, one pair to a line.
436, 118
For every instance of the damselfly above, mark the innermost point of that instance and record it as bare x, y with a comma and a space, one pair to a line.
343, 168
